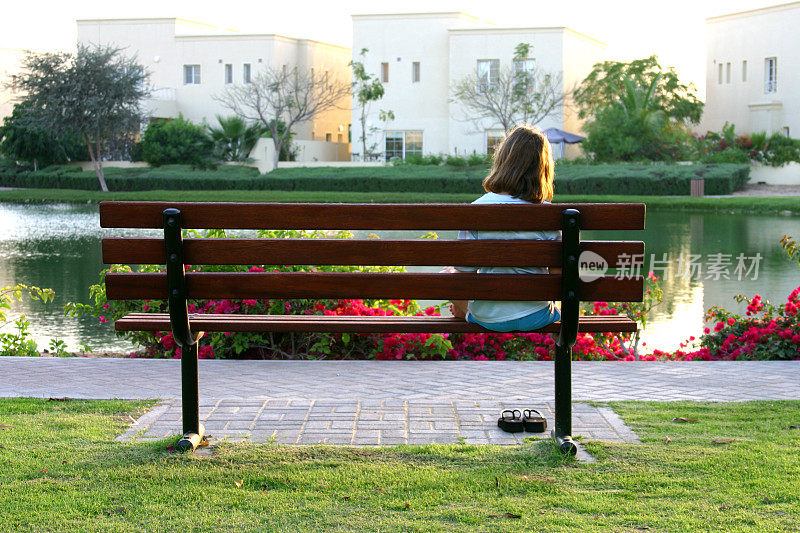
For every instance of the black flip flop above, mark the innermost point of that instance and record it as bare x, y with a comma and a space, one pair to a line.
512, 423
533, 421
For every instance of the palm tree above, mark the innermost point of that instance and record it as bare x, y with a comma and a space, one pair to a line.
234, 138
640, 105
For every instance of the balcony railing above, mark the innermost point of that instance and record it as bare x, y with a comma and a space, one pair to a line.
162, 93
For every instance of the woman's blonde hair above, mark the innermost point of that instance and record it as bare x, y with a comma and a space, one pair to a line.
523, 166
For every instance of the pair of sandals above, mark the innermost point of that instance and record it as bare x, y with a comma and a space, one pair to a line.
530, 420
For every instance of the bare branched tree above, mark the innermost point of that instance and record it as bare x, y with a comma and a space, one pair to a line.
282, 98
517, 93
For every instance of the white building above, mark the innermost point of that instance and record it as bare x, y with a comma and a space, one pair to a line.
753, 71
191, 63
419, 57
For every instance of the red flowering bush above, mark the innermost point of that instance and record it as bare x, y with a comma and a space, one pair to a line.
765, 332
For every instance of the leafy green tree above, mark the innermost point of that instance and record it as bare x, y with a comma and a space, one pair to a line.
234, 139
609, 84
177, 141
635, 110
518, 93
95, 93
367, 89
22, 140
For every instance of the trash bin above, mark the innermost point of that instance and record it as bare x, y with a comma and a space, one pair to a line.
698, 186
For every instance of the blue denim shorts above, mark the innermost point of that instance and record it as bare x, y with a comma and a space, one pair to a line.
536, 320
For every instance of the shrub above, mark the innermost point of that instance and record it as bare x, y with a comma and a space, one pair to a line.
177, 141
234, 139
23, 141
456, 161
727, 155
19, 343
726, 147
479, 159
434, 159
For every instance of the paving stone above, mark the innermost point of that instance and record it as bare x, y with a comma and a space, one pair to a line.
422, 401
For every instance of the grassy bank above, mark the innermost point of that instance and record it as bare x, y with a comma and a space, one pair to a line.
62, 471
772, 204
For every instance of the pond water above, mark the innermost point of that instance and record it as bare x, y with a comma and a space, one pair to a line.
58, 246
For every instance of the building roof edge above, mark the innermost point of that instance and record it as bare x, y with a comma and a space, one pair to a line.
750, 12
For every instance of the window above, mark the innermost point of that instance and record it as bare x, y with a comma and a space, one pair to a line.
328, 137
719, 78
415, 72
191, 74
413, 143
493, 140
523, 72
727, 72
394, 145
771, 75
228, 73
385, 72
527, 66
246, 73
488, 73
744, 70
401, 144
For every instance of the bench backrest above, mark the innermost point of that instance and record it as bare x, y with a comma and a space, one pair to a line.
327, 285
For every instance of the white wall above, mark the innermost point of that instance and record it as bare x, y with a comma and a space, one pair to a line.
400, 40
788, 174
448, 46
580, 53
467, 47
164, 46
753, 36
263, 153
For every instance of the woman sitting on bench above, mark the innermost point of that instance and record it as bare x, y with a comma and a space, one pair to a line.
522, 173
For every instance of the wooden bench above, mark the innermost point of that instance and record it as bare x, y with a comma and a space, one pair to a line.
177, 285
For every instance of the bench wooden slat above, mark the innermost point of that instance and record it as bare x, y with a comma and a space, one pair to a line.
328, 285
371, 217
359, 252
348, 324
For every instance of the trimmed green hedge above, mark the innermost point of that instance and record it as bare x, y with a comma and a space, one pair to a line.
636, 179
649, 180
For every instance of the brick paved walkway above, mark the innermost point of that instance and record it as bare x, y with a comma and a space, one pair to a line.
370, 402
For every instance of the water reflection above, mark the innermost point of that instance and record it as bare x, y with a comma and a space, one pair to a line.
58, 246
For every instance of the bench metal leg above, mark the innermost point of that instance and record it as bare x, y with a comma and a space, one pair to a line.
193, 430
563, 379
570, 311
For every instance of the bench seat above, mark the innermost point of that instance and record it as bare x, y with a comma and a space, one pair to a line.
349, 324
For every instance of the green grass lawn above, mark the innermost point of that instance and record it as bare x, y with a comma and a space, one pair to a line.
685, 203
62, 471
